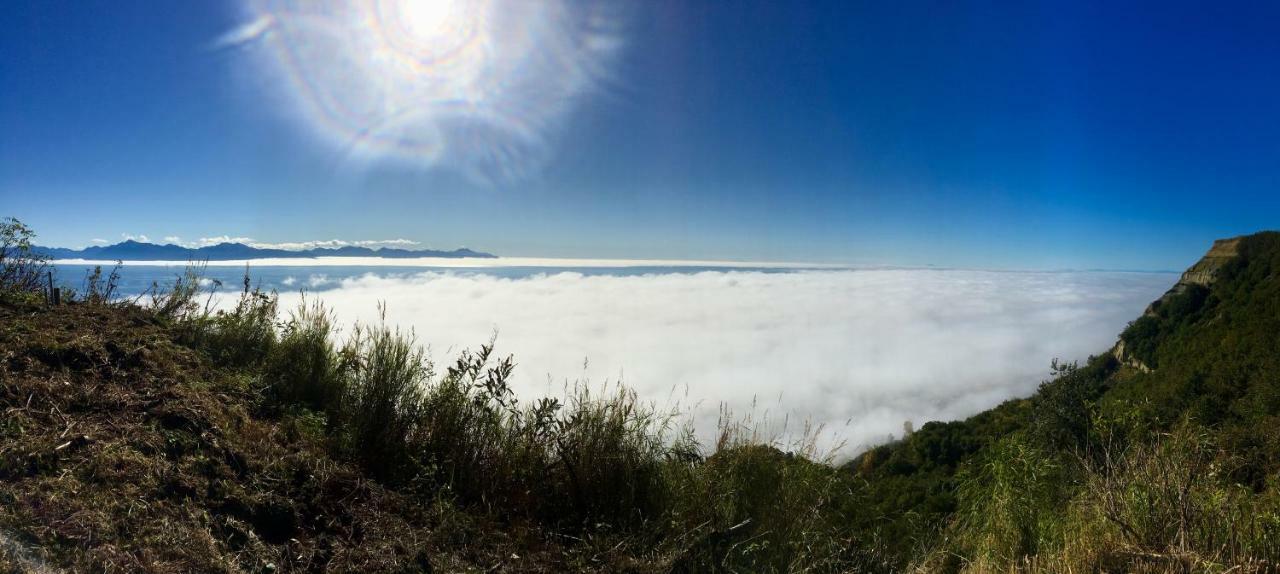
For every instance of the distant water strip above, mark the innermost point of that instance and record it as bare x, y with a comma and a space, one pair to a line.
470, 263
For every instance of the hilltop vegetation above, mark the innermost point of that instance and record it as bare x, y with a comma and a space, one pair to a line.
1165, 458
158, 435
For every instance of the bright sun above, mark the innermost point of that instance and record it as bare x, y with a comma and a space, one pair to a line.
426, 19
473, 85
425, 30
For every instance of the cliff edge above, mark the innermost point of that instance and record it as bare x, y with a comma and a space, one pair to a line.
1202, 274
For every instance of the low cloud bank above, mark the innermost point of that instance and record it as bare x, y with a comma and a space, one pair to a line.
859, 352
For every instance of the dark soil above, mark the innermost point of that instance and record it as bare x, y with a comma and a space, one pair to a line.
124, 451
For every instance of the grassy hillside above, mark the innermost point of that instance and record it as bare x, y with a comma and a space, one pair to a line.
159, 436
1163, 454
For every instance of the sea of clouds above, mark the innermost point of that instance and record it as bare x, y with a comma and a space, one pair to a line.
857, 351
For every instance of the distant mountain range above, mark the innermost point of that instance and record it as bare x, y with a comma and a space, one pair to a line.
137, 251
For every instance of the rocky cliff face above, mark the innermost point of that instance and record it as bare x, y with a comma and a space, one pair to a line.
1203, 273
1206, 269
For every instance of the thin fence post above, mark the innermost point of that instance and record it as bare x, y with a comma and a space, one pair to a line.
53, 294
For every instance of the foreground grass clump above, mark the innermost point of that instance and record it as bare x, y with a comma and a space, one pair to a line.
1145, 506
304, 368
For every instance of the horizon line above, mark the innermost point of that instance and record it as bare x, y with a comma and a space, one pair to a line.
571, 262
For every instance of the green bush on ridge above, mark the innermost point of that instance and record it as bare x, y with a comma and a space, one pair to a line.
22, 270
303, 367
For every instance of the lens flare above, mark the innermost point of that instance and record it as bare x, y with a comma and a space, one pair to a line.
477, 86
425, 19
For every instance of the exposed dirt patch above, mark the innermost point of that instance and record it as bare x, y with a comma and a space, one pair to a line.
123, 451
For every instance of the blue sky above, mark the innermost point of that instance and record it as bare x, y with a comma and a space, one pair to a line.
1013, 135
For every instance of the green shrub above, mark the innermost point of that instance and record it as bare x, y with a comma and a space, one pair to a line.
1009, 499
1172, 496
596, 461
22, 269
304, 366
1169, 316
100, 290
608, 453
1063, 407
751, 507
243, 336
466, 441
180, 302
385, 376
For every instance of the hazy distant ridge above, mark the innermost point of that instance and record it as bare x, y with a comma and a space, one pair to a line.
137, 251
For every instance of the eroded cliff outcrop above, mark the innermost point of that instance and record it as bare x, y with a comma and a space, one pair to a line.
1203, 273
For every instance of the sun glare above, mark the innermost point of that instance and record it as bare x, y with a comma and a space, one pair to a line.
428, 30
476, 86
426, 19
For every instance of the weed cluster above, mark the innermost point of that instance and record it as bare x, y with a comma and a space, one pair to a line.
22, 269
1122, 505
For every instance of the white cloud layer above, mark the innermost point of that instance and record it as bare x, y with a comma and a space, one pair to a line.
482, 262
332, 243
219, 239
858, 351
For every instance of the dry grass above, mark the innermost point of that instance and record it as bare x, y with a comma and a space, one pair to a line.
123, 451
